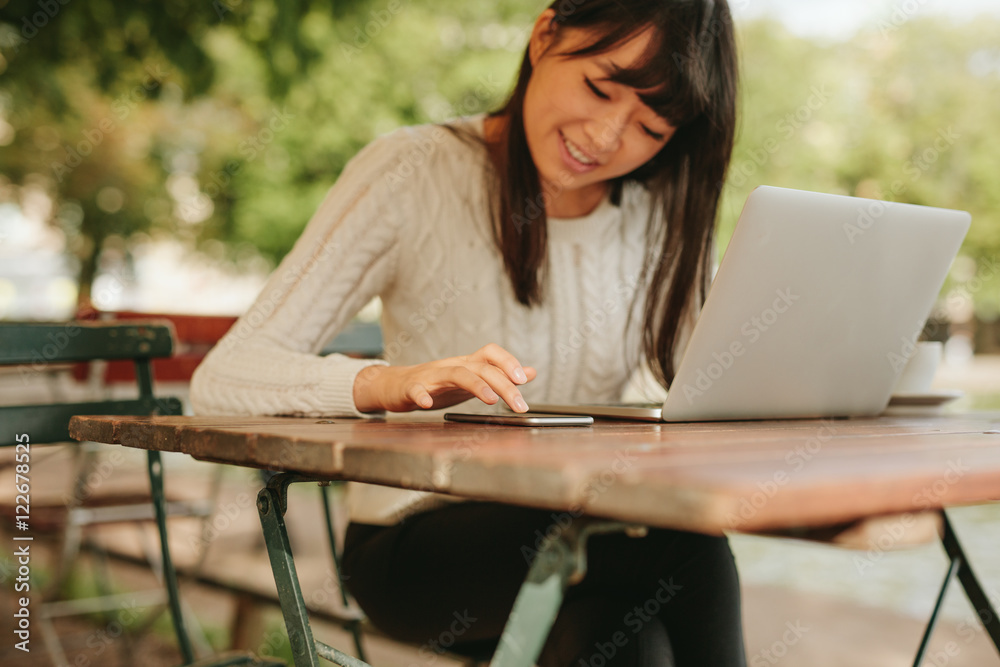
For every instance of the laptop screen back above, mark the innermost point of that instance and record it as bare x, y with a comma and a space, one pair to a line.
815, 307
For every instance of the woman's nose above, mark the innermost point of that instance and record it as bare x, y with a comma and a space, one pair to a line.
606, 132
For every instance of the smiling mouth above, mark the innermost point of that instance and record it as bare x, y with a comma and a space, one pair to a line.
577, 153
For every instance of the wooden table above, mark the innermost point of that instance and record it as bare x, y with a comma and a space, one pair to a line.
705, 477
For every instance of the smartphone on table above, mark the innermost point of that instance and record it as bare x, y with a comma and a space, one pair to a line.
518, 419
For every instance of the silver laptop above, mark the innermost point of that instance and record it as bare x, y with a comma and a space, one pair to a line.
812, 313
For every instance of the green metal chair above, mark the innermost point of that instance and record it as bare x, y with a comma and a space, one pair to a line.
33, 348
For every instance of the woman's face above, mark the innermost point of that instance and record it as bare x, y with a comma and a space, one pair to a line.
582, 128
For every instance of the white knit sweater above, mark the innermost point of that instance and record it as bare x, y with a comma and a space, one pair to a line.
408, 221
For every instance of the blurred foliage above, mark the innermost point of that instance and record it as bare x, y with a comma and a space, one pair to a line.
900, 112
228, 120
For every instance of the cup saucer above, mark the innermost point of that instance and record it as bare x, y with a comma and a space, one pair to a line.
925, 398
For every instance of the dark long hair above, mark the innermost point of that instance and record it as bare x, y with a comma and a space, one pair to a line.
691, 63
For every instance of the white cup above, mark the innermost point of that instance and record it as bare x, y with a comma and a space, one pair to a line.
918, 374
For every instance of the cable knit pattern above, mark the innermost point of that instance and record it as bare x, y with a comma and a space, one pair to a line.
408, 221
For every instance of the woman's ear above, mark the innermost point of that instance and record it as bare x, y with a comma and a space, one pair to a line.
543, 35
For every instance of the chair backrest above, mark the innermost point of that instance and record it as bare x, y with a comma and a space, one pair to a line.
35, 347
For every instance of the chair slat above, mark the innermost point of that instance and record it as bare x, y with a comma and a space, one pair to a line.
38, 344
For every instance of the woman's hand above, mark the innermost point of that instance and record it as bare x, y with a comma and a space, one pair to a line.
488, 374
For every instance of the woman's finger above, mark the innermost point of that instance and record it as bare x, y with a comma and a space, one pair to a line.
504, 360
420, 396
502, 385
463, 378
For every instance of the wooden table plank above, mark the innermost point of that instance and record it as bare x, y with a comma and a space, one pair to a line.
710, 477
763, 495
97, 428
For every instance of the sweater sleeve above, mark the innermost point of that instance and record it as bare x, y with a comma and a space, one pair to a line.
268, 363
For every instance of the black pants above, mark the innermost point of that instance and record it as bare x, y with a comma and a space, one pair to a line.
447, 579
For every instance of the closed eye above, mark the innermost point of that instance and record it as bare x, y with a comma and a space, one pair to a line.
595, 89
655, 135
604, 96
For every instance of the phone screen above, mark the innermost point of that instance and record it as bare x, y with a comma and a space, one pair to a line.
514, 419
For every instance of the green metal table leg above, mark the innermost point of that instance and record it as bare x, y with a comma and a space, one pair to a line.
970, 584
272, 502
932, 623
560, 562
337, 657
279, 550
959, 566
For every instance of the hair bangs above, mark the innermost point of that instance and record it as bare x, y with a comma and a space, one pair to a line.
672, 83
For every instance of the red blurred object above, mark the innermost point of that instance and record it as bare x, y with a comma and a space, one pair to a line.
196, 335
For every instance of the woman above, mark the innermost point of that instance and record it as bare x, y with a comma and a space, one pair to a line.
566, 238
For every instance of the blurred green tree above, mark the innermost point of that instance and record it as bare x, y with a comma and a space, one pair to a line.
226, 120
